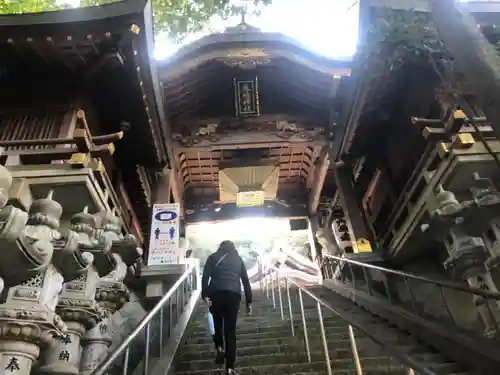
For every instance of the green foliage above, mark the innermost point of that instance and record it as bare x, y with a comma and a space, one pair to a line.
399, 36
176, 18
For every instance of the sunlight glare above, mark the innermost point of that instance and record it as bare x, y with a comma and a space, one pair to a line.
245, 228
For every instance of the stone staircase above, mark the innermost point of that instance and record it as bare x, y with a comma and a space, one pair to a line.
265, 344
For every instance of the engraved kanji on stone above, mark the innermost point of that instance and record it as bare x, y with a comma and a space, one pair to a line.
13, 365
64, 356
66, 339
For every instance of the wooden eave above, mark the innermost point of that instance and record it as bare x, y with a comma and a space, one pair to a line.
374, 90
234, 45
284, 87
101, 51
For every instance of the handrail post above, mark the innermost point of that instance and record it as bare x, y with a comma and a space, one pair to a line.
261, 285
409, 363
146, 349
126, 358
323, 339
279, 296
355, 353
304, 325
272, 289
290, 311
267, 284
161, 332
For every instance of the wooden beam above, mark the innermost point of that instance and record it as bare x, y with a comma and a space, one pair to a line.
320, 170
262, 119
248, 139
478, 61
163, 187
231, 144
230, 211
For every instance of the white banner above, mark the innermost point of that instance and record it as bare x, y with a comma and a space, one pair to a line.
164, 236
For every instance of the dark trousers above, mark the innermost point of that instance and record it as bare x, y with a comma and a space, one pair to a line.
225, 307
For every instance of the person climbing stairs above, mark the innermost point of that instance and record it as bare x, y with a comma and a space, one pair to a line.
266, 345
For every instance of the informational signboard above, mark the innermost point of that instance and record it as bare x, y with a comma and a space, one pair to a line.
250, 198
164, 236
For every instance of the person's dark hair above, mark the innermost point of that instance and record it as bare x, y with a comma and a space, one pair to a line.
227, 246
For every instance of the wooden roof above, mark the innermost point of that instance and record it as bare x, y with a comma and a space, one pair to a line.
384, 91
106, 51
297, 92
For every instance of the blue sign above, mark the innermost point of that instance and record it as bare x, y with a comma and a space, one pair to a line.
165, 216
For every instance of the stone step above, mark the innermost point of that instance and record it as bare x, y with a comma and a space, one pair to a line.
277, 358
337, 349
265, 344
285, 369
206, 344
285, 331
311, 332
282, 325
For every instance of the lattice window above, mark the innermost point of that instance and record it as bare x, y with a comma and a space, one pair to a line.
81, 279
34, 282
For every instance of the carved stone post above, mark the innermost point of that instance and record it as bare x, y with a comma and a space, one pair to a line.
27, 318
77, 304
111, 294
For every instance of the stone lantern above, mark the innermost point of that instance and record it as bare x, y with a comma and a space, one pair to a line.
77, 305
112, 293
28, 317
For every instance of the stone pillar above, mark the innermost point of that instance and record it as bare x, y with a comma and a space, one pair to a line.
18, 356
111, 296
63, 357
111, 293
95, 347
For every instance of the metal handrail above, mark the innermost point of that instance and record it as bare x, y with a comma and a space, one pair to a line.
404, 359
144, 323
443, 284
486, 302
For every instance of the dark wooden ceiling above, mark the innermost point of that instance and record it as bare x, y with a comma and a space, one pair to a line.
284, 87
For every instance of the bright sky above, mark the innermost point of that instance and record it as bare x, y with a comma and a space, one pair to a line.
328, 27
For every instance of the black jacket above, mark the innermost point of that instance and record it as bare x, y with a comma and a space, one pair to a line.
226, 275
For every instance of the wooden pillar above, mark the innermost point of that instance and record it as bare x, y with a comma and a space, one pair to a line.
319, 175
350, 203
474, 56
163, 187
313, 227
